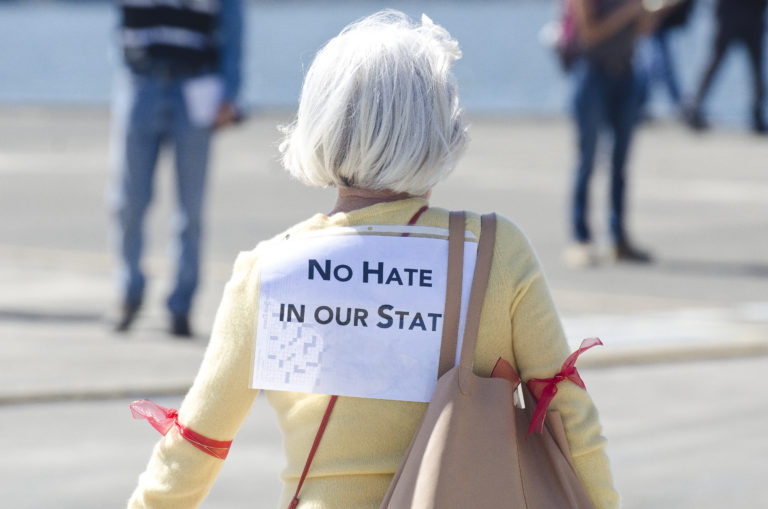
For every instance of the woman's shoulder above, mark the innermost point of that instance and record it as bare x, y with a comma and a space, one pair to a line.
316, 222
510, 231
507, 231
509, 235
512, 248
247, 260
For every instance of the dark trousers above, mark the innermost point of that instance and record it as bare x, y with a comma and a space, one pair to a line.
750, 33
602, 100
663, 65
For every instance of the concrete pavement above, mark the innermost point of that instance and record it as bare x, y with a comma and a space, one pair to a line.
699, 202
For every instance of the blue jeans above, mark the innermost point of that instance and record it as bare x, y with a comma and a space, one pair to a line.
663, 66
602, 100
148, 113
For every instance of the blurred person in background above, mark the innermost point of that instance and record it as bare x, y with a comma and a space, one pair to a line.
736, 21
606, 94
178, 83
661, 66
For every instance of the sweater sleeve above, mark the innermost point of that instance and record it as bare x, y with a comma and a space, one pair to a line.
540, 347
179, 474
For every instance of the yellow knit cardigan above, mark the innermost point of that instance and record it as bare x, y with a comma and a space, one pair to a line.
366, 438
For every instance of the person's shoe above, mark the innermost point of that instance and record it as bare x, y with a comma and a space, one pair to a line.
758, 123
626, 252
180, 326
127, 316
580, 255
694, 119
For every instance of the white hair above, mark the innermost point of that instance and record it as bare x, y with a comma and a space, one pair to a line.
379, 108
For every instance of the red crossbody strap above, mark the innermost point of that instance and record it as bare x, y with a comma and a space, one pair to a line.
416, 217
329, 408
315, 445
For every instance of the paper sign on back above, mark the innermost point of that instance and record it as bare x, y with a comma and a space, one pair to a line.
355, 312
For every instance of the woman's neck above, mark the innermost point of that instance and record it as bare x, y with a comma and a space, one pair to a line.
352, 198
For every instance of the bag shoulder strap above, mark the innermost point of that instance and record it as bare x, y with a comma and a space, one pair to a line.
452, 310
476, 297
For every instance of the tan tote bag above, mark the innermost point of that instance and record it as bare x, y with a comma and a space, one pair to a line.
471, 448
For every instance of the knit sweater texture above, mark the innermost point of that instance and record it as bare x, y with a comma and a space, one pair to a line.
366, 438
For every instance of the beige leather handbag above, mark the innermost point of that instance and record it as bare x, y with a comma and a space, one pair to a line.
472, 448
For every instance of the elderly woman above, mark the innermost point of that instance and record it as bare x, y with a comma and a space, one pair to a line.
379, 120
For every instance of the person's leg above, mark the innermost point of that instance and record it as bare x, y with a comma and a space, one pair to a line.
754, 41
588, 116
665, 66
646, 75
192, 145
622, 118
587, 113
694, 115
135, 145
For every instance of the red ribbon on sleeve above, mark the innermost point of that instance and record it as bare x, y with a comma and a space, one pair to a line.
163, 419
544, 389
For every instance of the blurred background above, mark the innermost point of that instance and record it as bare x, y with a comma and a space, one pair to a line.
678, 382
68, 52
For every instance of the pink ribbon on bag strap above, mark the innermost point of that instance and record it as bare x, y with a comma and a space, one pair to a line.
544, 389
163, 419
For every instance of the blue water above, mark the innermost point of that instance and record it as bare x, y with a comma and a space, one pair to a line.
62, 53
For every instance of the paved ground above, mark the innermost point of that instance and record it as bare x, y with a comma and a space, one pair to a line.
677, 383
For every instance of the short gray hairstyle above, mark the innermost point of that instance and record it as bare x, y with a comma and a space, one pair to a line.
379, 108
